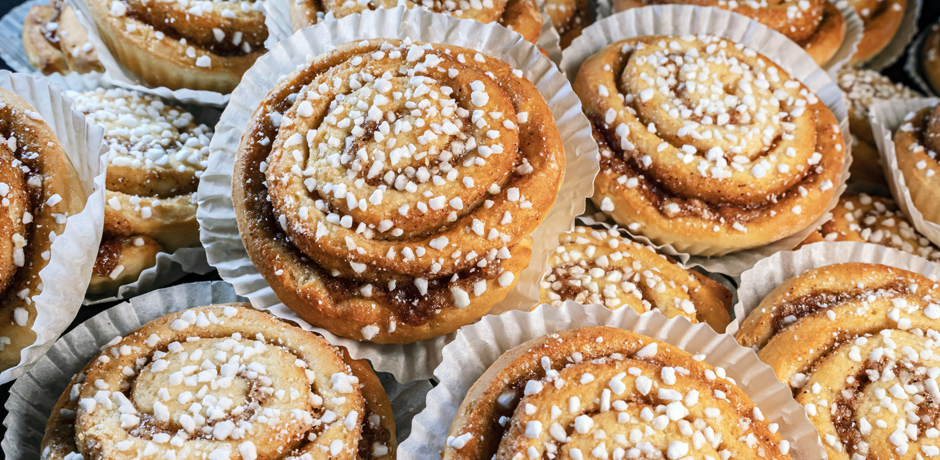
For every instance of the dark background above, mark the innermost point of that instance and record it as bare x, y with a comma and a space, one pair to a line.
929, 15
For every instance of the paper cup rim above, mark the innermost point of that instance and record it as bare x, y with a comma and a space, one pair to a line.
477, 344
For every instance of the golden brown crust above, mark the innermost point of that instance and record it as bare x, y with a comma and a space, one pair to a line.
917, 161
594, 266
816, 25
560, 392
166, 44
680, 176
846, 338
569, 17
55, 42
343, 399
120, 261
42, 188
522, 16
394, 255
931, 58
882, 19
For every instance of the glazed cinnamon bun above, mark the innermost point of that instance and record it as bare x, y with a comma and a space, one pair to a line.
217, 382
856, 344
157, 153
707, 145
522, 16
863, 88
594, 266
55, 42
816, 25
873, 219
882, 19
39, 190
601, 392
199, 45
917, 142
386, 190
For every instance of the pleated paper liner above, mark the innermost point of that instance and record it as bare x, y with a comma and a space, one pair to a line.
277, 18
678, 20
216, 210
33, 397
73, 253
478, 346
886, 117
771, 272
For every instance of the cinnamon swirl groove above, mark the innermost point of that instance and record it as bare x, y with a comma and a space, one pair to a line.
387, 190
857, 344
601, 392
222, 382
707, 145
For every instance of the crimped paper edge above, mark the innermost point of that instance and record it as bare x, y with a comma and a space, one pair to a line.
477, 346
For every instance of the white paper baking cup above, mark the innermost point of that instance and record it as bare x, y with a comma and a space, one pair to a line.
677, 20
33, 397
885, 118
771, 272
277, 18
914, 65
217, 213
479, 345
73, 253
118, 75
906, 32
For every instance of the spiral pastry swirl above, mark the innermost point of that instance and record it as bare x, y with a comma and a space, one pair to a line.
601, 392
857, 344
39, 190
522, 16
816, 25
222, 382
707, 145
198, 44
387, 191
156, 154
593, 266
917, 142
55, 42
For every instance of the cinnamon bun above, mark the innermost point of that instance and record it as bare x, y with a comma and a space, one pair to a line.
157, 153
882, 19
223, 381
199, 45
386, 191
931, 58
816, 25
594, 266
522, 16
55, 42
856, 343
603, 392
569, 18
707, 145
39, 190
863, 88
917, 142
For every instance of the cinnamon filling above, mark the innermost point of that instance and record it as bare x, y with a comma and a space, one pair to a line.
788, 312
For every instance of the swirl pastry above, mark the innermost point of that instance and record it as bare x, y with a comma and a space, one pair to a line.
569, 17
601, 392
707, 145
873, 219
522, 16
816, 25
39, 190
857, 342
55, 42
594, 266
199, 44
916, 143
931, 58
882, 19
387, 191
222, 382
863, 88
157, 153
